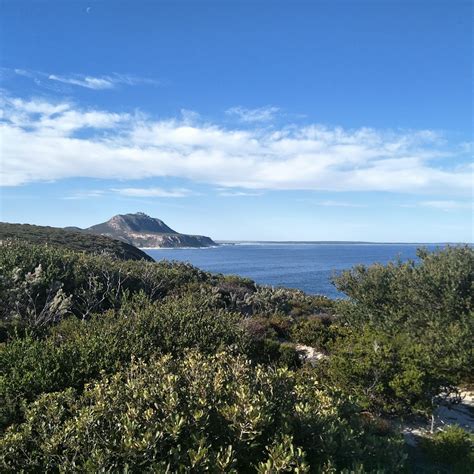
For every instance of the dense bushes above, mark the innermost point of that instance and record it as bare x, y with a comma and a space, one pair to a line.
315, 331
72, 239
408, 330
39, 285
388, 374
437, 290
133, 366
75, 351
217, 413
450, 450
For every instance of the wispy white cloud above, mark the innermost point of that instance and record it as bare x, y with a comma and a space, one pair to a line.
154, 192
190, 117
22, 108
84, 81
110, 81
23, 72
102, 82
448, 205
44, 141
339, 204
133, 192
261, 114
85, 195
230, 193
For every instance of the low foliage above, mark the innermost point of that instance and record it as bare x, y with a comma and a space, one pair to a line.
315, 331
217, 413
40, 285
75, 352
451, 449
113, 365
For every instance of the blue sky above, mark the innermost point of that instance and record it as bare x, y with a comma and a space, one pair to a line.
275, 120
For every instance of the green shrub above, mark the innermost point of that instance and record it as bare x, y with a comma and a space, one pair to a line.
96, 373
453, 447
39, 285
218, 413
271, 351
314, 331
276, 326
77, 351
409, 330
288, 355
436, 290
268, 301
259, 328
386, 374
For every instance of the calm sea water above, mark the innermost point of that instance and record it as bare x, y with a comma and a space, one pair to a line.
308, 267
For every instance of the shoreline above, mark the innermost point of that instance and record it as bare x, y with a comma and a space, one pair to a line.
329, 242
179, 248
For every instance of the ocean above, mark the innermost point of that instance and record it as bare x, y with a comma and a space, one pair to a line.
308, 267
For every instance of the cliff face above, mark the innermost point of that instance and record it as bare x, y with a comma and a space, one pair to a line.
141, 230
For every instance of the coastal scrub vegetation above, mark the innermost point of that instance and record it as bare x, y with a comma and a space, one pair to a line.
109, 364
73, 239
451, 449
408, 331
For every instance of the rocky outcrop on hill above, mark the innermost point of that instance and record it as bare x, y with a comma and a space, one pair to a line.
144, 231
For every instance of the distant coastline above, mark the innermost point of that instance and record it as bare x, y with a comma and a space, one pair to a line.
221, 243
180, 248
330, 242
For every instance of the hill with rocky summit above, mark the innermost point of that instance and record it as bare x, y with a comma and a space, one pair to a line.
141, 230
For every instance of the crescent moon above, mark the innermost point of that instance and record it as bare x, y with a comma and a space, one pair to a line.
88, 9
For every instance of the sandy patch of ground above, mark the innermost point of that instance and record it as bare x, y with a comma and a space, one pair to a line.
309, 354
461, 414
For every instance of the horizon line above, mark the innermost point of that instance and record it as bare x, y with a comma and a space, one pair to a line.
363, 242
